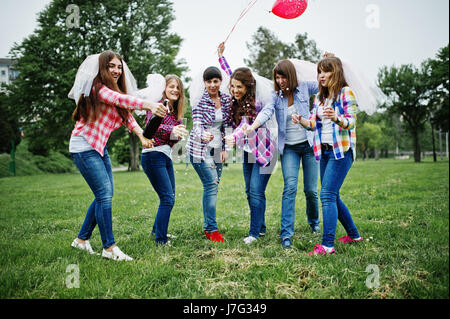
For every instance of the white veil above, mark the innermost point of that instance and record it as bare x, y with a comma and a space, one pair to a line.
197, 87
368, 95
264, 94
86, 74
306, 71
156, 85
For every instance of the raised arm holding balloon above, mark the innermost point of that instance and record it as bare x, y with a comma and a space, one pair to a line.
250, 92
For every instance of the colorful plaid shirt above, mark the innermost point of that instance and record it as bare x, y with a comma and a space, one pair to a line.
97, 133
163, 134
344, 134
260, 142
203, 117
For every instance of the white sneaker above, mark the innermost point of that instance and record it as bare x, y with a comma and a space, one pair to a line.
116, 254
83, 246
250, 239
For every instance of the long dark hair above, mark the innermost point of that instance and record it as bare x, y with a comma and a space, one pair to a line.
246, 105
287, 69
88, 108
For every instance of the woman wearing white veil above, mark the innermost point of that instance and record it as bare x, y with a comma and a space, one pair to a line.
294, 82
251, 93
205, 146
103, 105
333, 122
157, 160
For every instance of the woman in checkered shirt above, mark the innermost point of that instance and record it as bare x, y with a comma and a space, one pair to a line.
106, 108
205, 146
333, 120
157, 160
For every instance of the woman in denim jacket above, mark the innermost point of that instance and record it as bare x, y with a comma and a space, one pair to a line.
292, 96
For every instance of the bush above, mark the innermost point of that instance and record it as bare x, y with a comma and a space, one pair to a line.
54, 163
29, 164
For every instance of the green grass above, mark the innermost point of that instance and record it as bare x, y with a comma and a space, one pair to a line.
400, 206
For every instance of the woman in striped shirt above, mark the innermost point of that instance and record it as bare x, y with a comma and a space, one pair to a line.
206, 147
333, 121
157, 160
104, 109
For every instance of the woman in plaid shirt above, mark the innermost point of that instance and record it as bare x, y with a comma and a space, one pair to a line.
157, 160
258, 147
206, 147
333, 120
97, 114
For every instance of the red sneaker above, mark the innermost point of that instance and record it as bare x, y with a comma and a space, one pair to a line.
320, 250
348, 239
208, 235
216, 236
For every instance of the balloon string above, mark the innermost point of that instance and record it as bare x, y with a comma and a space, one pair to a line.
243, 13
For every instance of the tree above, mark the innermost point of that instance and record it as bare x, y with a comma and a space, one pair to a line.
266, 50
439, 83
408, 90
9, 129
370, 136
48, 59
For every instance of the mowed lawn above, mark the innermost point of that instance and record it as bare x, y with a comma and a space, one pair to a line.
400, 207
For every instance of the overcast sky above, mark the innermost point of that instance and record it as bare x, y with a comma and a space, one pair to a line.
371, 33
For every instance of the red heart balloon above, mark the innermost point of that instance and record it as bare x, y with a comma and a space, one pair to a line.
289, 9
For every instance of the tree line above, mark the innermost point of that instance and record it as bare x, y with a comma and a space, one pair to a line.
139, 30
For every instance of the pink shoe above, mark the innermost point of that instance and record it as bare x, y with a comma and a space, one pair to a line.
348, 239
320, 250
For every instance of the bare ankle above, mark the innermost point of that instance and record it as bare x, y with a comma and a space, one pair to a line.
110, 248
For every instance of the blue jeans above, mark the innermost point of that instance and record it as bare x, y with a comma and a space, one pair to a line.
290, 164
209, 172
255, 188
332, 175
97, 172
159, 170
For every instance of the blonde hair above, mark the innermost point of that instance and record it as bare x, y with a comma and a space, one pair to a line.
178, 106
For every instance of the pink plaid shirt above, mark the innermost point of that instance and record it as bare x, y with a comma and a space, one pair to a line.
261, 144
97, 133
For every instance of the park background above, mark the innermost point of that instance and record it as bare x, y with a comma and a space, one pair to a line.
397, 189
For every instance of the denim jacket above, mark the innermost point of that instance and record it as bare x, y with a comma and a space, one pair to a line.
279, 105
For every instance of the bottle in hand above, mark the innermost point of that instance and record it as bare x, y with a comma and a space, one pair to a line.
153, 124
